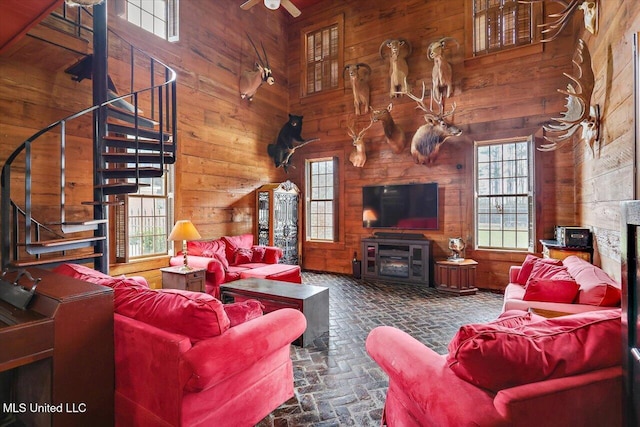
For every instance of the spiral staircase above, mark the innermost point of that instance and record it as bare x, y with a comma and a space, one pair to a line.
134, 137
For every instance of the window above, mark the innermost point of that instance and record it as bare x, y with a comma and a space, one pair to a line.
159, 17
144, 220
502, 24
322, 46
504, 194
321, 176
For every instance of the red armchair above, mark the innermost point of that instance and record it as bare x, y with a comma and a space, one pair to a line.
184, 359
486, 379
234, 257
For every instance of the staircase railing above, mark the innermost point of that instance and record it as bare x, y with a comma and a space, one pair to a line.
20, 232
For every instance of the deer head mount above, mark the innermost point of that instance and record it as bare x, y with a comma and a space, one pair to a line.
393, 134
580, 114
251, 80
399, 49
442, 73
359, 77
426, 142
358, 156
562, 19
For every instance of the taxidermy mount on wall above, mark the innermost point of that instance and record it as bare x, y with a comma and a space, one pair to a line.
289, 140
251, 80
589, 8
358, 156
393, 134
398, 67
580, 113
426, 142
359, 77
442, 73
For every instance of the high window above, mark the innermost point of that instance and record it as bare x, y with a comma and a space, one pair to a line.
504, 194
322, 46
159, 17
321, 210
502, 24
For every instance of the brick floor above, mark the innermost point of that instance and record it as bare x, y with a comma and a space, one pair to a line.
336, 382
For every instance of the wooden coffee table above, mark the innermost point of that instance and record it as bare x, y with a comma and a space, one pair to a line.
312, 301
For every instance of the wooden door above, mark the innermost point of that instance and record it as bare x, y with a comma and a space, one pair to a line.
630, 250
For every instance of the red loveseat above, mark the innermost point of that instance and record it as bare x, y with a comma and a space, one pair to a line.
572, 285
236, 257
184, 359
521, 370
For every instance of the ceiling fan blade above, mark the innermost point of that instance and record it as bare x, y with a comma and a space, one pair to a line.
291, 8
249, 4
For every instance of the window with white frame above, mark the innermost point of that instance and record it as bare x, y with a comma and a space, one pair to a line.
504, 213
322, 195
159, 17
144, 220
502, 24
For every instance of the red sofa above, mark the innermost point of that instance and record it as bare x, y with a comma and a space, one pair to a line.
236, 257
572, 285
184, 359
521, 370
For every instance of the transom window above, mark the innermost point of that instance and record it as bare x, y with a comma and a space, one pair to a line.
322, 46
321, 199
159, 17
501, 24
504, 194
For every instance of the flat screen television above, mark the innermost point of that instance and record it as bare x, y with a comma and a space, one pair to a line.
402, 206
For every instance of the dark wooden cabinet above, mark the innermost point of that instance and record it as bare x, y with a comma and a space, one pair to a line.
396, 260
59, 352
458, 277
278, 207
190, 280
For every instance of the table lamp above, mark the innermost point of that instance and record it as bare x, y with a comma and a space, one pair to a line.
369, 216
184, 230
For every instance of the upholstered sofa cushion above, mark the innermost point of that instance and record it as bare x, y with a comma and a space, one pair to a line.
240, 312
81, 272
232, 243
596, 286
210, 249
242, 256
527, 267
514, 318
496, 357
196, 315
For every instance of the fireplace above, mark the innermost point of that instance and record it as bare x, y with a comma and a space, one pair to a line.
394, 266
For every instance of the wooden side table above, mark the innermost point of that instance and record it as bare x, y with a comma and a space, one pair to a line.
551, 249
191, 280
458, 277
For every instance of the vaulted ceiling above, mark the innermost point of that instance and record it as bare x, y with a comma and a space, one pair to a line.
18, 16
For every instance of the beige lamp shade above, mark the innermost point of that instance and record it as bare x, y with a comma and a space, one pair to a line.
184, 230
369, 215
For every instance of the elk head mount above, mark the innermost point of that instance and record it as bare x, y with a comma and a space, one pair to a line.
359, 77
580, 113
251, 80
426, 142
562, 19
398, 67
358, 156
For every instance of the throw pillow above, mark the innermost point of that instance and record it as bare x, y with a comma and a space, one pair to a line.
495, 357
544, 270
551, 290
196, 315
515, 318
258, 253
240, 312
598, 288
242, 256
527, 266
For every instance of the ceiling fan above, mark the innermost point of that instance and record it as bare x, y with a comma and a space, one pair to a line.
273, 5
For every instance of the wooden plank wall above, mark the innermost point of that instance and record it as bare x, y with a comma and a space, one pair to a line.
606, 177
497, 97
222, 140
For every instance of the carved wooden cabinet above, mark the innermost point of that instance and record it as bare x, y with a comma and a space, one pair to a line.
278, 213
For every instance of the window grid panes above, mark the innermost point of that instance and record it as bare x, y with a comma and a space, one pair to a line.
322, 59
159, 17
321, 190
501, 24
148, 216
504, 195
